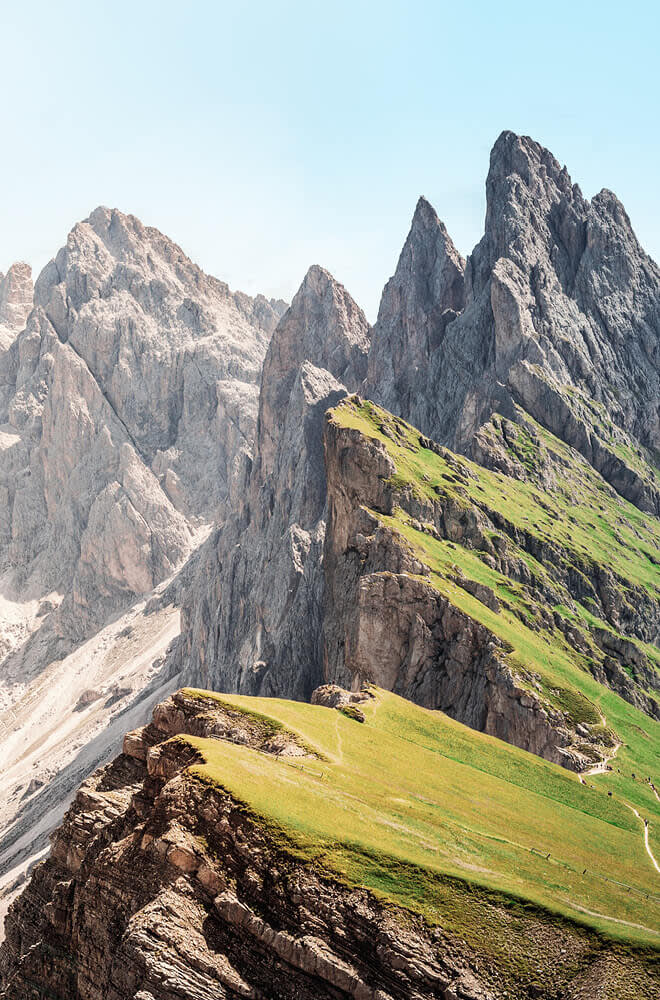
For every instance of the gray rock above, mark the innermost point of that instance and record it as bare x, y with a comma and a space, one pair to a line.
128, 400
252, 620
16, 291
562, 315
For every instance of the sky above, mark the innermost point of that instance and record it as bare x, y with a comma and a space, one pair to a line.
264, 137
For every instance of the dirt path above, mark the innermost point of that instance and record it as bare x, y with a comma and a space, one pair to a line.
646, 836
602, 769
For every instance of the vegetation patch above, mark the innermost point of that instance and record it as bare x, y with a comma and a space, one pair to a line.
411, 803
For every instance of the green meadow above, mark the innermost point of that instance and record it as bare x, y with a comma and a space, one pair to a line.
442, 820
417, 808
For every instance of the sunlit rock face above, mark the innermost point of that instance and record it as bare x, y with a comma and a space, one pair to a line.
129, 400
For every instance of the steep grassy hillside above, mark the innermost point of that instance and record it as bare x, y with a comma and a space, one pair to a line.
436, 817
559, 531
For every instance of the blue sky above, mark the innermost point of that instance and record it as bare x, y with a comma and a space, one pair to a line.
264, 137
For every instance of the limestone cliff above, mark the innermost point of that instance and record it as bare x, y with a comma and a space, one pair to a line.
412, 529
560, 316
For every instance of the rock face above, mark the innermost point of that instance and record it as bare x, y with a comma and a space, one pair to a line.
252, 620
561, 316
16, 291
132, 397
160, 886
128, 401
386, 625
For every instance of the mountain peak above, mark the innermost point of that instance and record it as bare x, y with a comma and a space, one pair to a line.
16, 295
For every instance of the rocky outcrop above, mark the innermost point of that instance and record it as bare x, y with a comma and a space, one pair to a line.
252, 620
161, 886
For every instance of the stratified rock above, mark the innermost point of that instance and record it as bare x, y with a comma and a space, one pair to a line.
161, 886
385, 624
252, 621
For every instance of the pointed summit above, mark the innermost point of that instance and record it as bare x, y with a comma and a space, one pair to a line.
323, 327
558, 295
16, 295
426, 292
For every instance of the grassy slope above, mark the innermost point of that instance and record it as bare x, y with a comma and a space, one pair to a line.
434, 816
593, 525
412, 796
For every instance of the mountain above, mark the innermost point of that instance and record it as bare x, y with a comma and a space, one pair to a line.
457, 507
251, 622
538, 358
561, 318
129, 402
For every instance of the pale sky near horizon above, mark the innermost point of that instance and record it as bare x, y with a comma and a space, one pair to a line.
265, 137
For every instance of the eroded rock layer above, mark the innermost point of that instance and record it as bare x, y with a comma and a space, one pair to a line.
160, 886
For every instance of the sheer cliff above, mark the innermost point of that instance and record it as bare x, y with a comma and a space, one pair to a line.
252, 619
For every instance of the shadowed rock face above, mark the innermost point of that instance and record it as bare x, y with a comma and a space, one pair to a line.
561, 315
252, 620
425, 294
129, 398
386, 624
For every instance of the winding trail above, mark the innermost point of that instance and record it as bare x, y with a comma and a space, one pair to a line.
602, 769
646, 836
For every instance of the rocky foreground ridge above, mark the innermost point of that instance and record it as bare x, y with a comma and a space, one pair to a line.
161, 886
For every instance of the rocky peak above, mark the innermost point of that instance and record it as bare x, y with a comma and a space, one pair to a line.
16, 293
561, 316
425, 293
264, 636
133, 391
323, 327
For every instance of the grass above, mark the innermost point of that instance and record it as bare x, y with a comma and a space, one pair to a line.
580, 516
451, 824
579, 523
582, 510
417, 808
